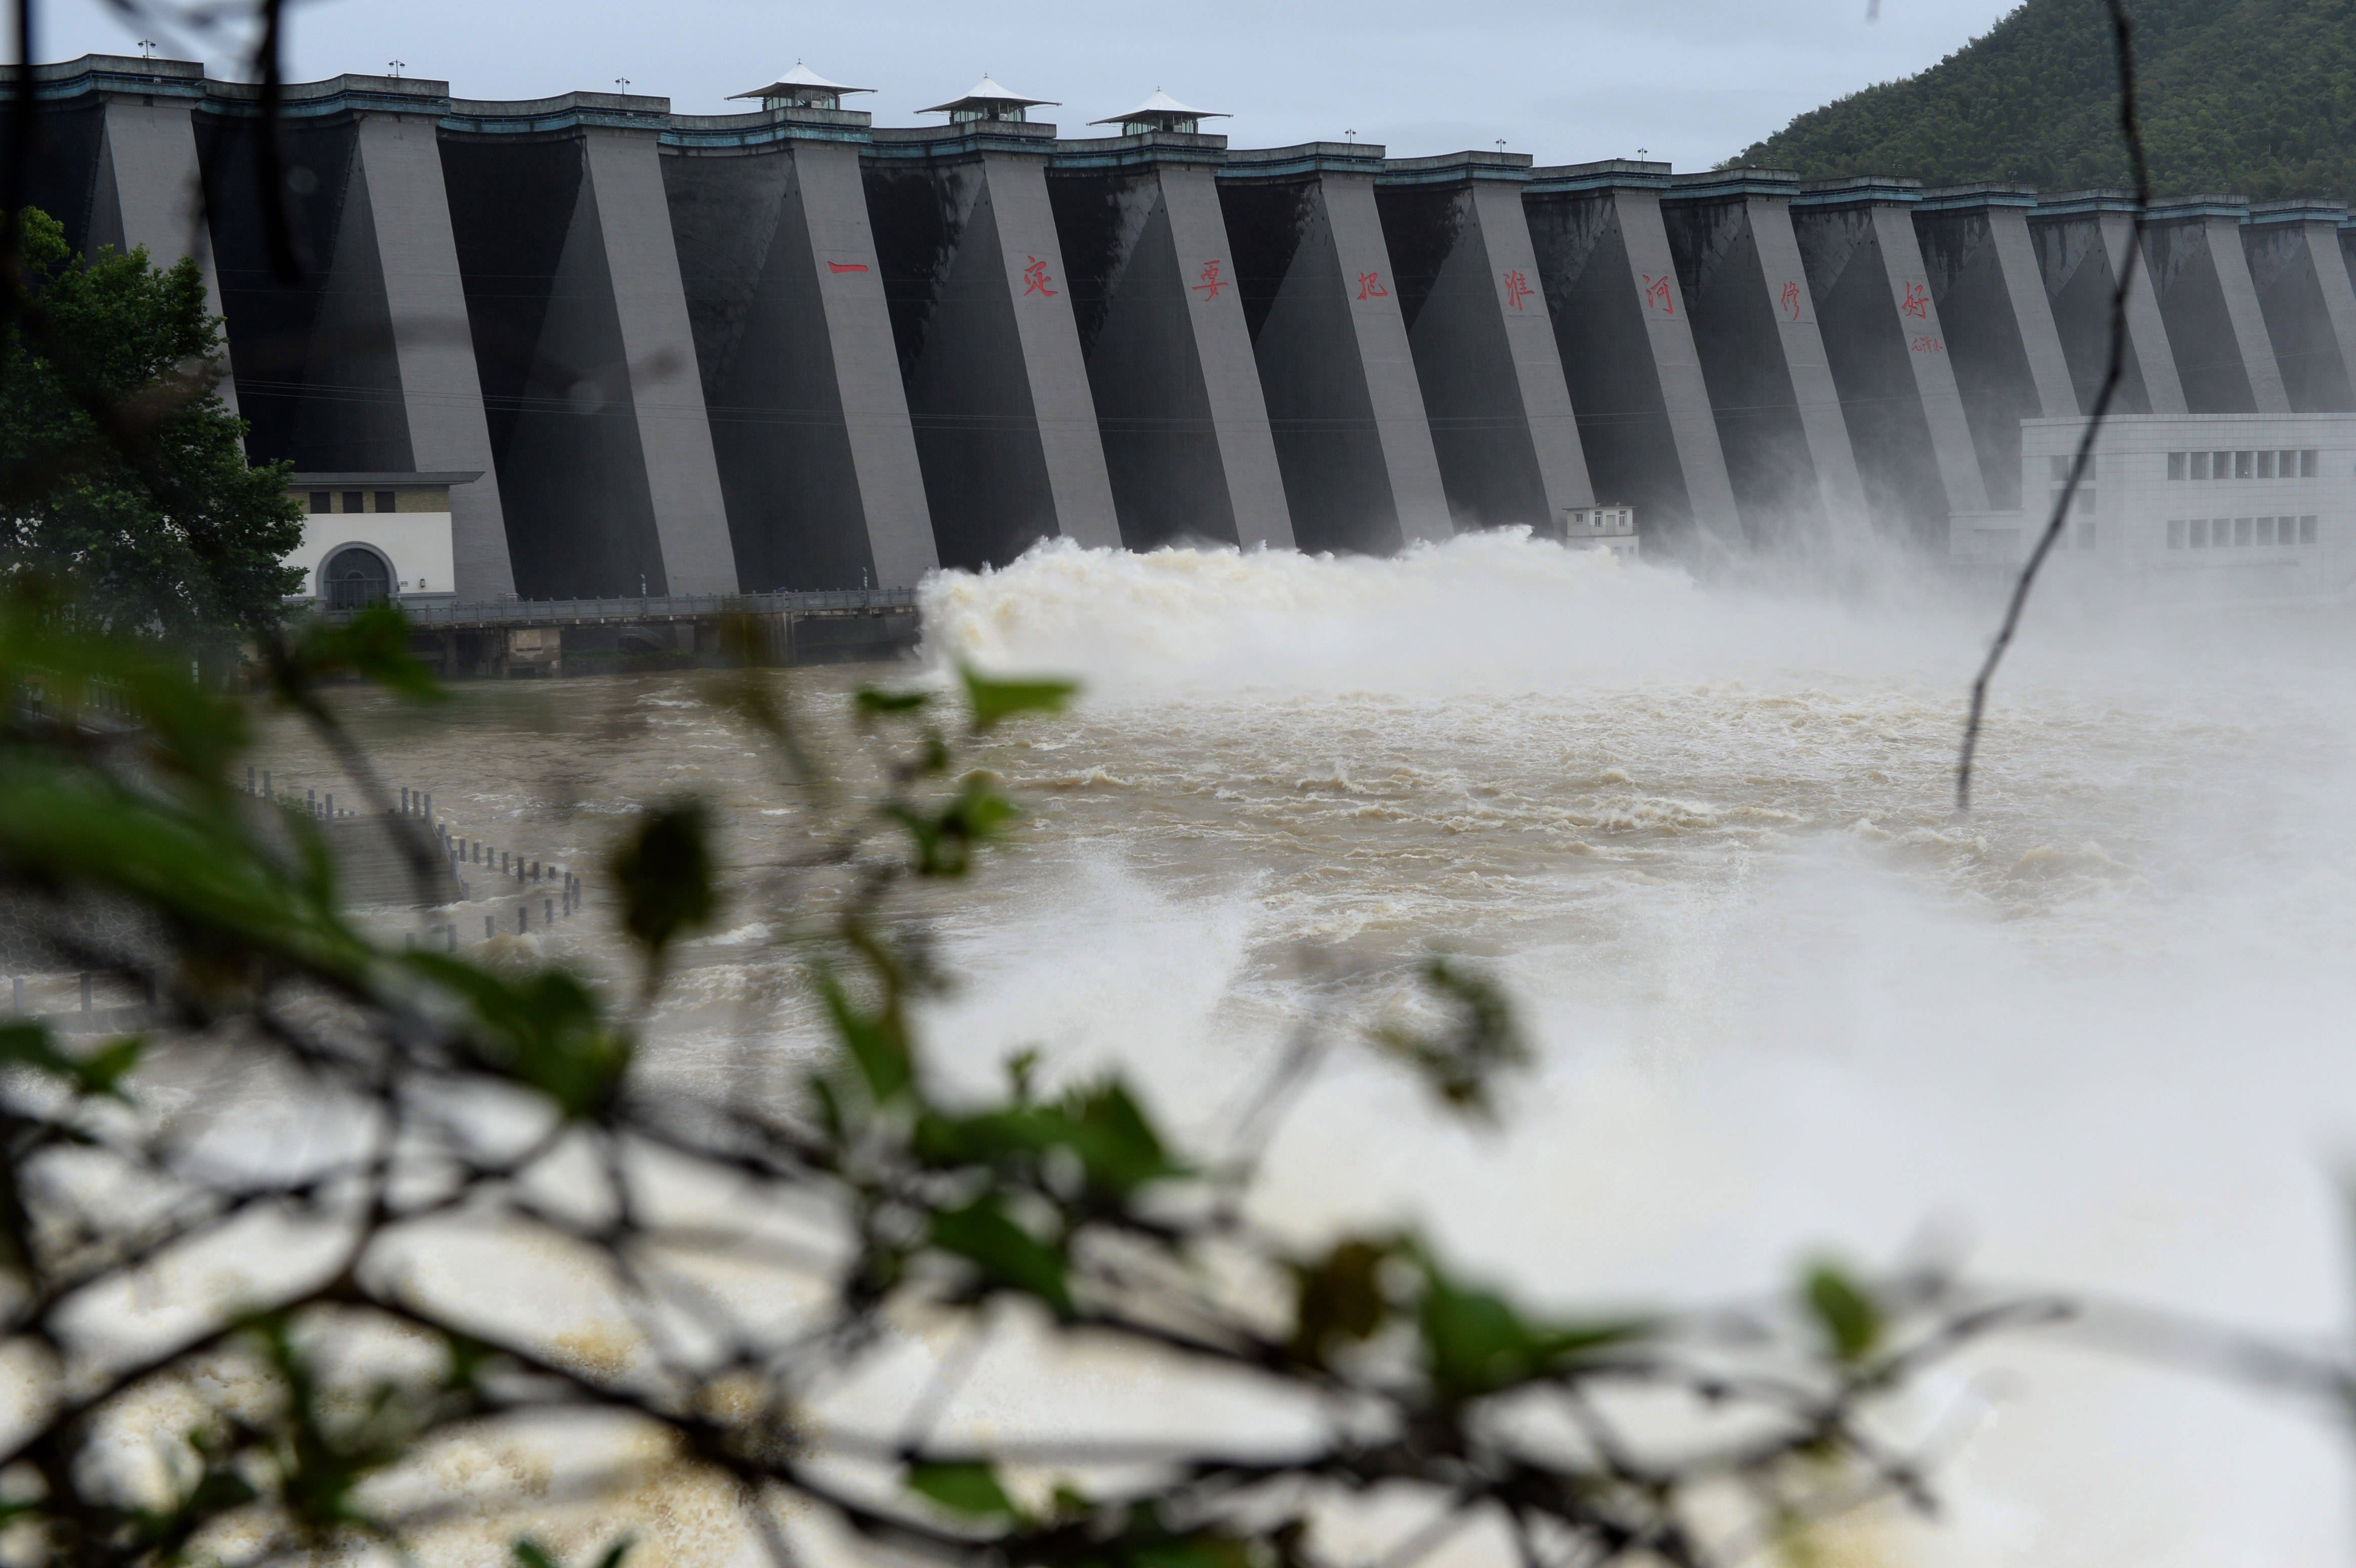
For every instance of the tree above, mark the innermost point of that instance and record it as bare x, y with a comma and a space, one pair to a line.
174, 537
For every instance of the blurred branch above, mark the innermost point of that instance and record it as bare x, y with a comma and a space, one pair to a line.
2131, 133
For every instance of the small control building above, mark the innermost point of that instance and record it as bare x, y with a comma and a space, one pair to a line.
1609, 528
374, 538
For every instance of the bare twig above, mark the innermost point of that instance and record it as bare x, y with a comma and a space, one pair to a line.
2130, 131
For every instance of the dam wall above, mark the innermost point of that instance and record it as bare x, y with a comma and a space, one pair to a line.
790, 350
1623, 333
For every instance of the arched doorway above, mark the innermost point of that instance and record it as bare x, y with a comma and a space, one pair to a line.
355, 577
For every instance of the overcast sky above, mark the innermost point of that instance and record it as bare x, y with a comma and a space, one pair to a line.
1690, 80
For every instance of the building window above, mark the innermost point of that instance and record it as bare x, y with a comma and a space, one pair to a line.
2176, 533
2085, 536
2265, 531
2307, 464
2221, 465
355, 501
2201, 465
2198, 527
2176, 465
354, 577
2245, 464
2242, 529
2306, 529
384, 500
2086, 498
2060, 468
2265, 464
323, 500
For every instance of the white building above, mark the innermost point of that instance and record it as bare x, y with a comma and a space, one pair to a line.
370, 538
2187, 506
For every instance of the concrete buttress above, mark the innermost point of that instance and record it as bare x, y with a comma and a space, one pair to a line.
1624, 338
1754, 321
2201, 276
810, 423
1160, 322
1344, 401
1985, 286
2303, 292
597, 421
1887, 349
434, 353
1485, 357
2083, 240
981, 319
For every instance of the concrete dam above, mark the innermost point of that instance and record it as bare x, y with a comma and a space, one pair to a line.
620, 352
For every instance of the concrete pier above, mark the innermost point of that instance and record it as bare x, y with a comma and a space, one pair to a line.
2302, 284
1319, 297
363, 361
1624, 337
1886, 345
2201, 276
1477, 322
982, 317
1754, 322
1985, 286
2083, 238
580, 326
810, 432
1160, 316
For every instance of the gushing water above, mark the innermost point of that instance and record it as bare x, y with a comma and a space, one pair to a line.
1784, 1002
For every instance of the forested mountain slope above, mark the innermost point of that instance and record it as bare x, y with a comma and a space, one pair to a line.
2254, 96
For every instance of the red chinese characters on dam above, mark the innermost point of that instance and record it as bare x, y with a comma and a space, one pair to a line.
1658, 300
1210, 282
1036, 277
1917, 302
1790, 300
1926, 344
846, 266
1517, 288
1370, 286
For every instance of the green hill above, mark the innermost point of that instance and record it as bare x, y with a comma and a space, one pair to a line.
2254, 96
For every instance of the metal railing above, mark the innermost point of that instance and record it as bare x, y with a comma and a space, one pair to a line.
653, 607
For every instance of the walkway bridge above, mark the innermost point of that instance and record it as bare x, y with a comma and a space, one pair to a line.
544, 636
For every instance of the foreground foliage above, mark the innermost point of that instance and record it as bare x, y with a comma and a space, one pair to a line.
307, 1347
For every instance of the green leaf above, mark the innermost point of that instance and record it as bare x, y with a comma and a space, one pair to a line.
1851, 1318
1008, 1255
531, 1554
664, 872
1478, 1039
374, 645
28, 1044
991, 701
876, 1041
1339, 1299
1117, 1146
944, 842
962, 1489
874, 702
544, 1032
1475, 1342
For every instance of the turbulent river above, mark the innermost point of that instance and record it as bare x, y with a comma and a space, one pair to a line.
2102, 1035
